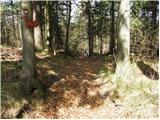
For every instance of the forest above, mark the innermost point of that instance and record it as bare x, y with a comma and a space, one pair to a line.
79, 59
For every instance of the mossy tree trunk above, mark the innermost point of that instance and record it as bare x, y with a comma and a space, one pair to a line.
29, 66
123, 41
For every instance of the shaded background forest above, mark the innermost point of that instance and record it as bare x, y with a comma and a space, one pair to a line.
144, 26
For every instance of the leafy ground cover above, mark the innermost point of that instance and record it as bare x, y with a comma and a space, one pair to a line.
80, 87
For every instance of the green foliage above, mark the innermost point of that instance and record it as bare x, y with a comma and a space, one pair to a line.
136, 23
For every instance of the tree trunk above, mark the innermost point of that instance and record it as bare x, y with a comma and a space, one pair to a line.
37, 30
52, 25
4, 30
19, 31
14, 28
90, 39
57, 28
101, 43
123, 38
112, 41
67, 28
154, 14
28, 69
50, 18
42, 20
46, 33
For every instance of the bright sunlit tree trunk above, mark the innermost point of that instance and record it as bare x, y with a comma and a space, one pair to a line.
37, 30
123, 38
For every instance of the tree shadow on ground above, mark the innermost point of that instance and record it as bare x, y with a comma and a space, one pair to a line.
68, 81
76, 82
14, 103
148, 71
11, 96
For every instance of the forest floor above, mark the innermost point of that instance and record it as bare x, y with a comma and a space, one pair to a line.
80, 87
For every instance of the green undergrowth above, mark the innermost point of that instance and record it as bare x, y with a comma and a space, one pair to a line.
12, 98
139, 95
104, 71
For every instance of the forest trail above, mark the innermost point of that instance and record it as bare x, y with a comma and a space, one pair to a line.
75, 94
81, 69
74, 88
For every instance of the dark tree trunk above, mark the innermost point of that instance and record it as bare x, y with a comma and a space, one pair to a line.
112, 41
154, 14
101, 34
67, 28
42, 20
58, 40
90, 37
50, 37
101, 45
46, 32
14, 28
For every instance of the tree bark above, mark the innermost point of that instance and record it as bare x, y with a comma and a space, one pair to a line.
29, 67
13, 21
50, 38
57, 28
112, 41
101, 42
123, 38
90, 38
37, 30
154, 14
67, 28
46, 35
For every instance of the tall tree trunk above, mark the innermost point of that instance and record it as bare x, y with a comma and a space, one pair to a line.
101, 42
50, 10
6, 31
18, 25
4, 34
4, 41
42, 20
123, 38
101, 45
67, 28
13, 21
112, 41
52, 25
90, 39
29, 67
59, 40
154, 14
46, 35
37, 30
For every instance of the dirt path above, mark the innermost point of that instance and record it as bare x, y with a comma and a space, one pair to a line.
76, 95
81, 69
75, 87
